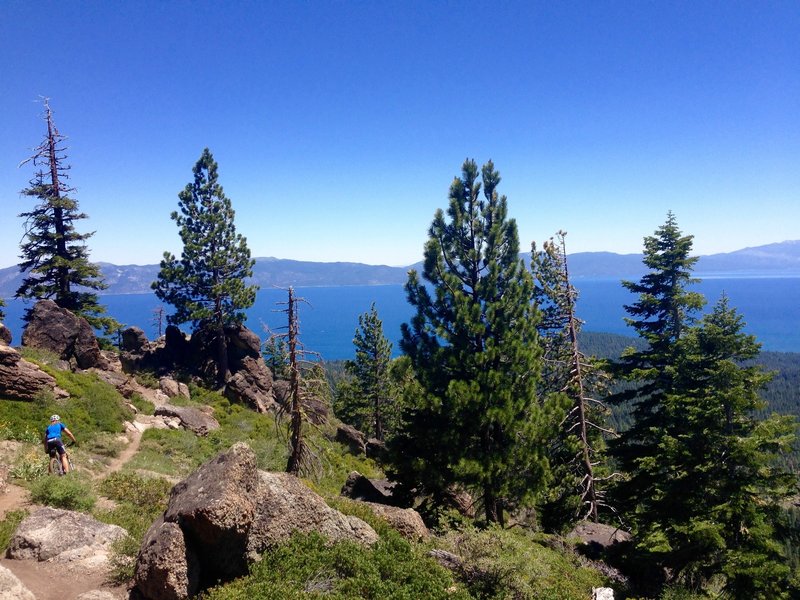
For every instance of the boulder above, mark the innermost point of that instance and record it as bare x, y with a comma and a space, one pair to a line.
598, 538
242, 343
222, 517
215, 507
406, 521
602, 593
358, 487
251, 385
5, 335
57, 330
23, 380
286, 505
12, 588
173, 389
59, 535
352, 438
193, 419
166, 569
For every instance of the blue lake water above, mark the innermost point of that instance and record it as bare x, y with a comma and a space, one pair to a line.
770, 307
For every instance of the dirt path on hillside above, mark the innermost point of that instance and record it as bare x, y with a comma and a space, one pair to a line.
64, 581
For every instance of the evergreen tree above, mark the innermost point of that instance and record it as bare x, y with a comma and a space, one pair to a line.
474, 350
663, 312
276, 355
575, 452
54, 255
207, 285
2, 314
370, 370
717, 504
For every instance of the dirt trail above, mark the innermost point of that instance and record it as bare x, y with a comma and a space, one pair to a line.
59, 581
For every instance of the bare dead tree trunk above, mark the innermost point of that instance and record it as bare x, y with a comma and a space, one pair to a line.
296, 426
589, 493
58, 211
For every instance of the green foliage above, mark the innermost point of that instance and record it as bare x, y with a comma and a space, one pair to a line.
703, 487
141, 500
8, 526
276, 355
576, 452
309, 567
54, 255
474, 350
71, 492
513, 563
143, 405
30, 465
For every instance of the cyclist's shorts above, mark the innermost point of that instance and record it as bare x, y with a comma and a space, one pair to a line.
55, 444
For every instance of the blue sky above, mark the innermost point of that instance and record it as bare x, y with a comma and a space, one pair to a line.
338, 126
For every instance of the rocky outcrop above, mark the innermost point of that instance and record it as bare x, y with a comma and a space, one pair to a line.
5, 335
11, 588
52, 534
57, 330
222, 517
376, 450
251, 384
193, 419
23, 380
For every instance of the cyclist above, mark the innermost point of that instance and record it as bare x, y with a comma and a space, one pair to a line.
53, 441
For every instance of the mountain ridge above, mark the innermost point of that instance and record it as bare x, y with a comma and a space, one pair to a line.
781, 259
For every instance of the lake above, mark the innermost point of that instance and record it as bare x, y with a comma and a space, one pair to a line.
329, 317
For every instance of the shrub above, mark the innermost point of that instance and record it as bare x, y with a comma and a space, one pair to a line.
8, 526
30, 465
143, 405
70, 492
309, 566
127, 486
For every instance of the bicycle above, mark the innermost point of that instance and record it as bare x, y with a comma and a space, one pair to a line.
56, 466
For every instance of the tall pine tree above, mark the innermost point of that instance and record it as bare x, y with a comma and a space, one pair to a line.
372, 394
474, 350
207, 285
55, 258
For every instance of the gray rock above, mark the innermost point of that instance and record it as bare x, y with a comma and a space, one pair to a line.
62, 536
215, 507
133, 340
59, 331
173, 388
23, 380
166, 569
286, 506
11, 588
602, 593
193, 419
98, 595
406, 521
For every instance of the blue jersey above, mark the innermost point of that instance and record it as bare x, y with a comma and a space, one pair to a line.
53, 432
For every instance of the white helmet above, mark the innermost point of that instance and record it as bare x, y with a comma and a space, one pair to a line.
54, 418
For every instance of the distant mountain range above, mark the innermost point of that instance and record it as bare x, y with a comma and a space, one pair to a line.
781, 259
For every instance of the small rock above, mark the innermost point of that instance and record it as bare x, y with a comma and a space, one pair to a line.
12, 588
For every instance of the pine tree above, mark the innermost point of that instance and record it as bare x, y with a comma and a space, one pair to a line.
372, 395
575, 452
474, 350
54, 255
207, 285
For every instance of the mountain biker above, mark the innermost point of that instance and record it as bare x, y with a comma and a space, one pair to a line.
53, 441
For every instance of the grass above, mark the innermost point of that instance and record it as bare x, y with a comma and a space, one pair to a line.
8, 526
71, 492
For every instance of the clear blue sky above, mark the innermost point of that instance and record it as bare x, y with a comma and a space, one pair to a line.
338, 126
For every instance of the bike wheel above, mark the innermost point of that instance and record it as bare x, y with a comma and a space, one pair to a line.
56, 468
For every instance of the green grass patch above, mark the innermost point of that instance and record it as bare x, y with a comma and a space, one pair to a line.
309, 567
143, 405
8, 526
71, 492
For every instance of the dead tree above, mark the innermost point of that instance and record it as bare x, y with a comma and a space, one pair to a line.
567, 369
